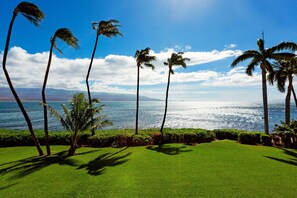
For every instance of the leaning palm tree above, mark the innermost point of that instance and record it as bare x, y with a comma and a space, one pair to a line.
261, 58
65, 35
79, 118
178, 60
108, 29
142, 58
283, 71
35, 16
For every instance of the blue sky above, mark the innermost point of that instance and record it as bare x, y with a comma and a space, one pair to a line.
210, 32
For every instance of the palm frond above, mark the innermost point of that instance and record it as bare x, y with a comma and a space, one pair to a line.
58, 116
31, 12
149, 65
282, 56
246, 55
251, 67
283, 46
109, 28
56, 47
66, 35
143, 57
95, 25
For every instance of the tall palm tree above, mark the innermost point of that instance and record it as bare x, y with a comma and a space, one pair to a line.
35, 16
261, 58
108, 29
284, 70
142, 58
65, 35
79, 118
178, 60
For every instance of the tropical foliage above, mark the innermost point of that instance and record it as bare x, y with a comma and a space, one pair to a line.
79, 118
284, 71
261, 58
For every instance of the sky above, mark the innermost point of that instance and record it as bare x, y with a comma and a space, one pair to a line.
212, 33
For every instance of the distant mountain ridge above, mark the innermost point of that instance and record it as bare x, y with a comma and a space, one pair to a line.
33, 94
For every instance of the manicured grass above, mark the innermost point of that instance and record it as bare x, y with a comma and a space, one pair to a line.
217, 169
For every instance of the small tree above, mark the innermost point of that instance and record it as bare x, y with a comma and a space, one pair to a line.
80, 117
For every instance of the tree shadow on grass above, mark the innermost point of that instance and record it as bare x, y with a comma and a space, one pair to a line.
291, 161
169, 149
8, 186
97, 166
24, 167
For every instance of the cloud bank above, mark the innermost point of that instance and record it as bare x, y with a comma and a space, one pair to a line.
117, 73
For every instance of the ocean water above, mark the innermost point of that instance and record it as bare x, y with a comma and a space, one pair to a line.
180, 114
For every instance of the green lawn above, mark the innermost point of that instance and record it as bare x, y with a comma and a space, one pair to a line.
217, 169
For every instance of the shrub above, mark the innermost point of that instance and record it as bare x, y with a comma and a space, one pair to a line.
266, 139
156, 137
230, 134
190, 138
248, 138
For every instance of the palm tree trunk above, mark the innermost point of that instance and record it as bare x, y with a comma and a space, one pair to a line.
166, 104
294, 95
137, 100
87, 79
288, 100
48, 150
265, 105
36, 142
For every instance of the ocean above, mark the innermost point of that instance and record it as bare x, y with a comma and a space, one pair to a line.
180, 114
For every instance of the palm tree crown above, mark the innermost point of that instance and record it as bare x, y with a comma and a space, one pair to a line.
282, 70
65, 35
261, 56
143, 57
176, 59
107, 28
30, 11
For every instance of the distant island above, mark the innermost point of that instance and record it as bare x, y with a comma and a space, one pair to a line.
33, 94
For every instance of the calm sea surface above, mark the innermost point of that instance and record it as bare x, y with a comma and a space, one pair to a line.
208, 115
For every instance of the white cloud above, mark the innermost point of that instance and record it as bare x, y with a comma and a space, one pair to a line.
230, 46
114, 72
236, 77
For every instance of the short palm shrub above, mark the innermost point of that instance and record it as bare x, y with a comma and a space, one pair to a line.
287, 133
79, 118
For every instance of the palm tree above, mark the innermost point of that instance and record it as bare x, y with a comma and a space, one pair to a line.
178, 60
79, 118
284, 70
142, 57
261, 57
108, 29
65, 35
35, 16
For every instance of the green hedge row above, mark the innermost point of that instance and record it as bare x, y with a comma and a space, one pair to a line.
189, 136
118, 138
